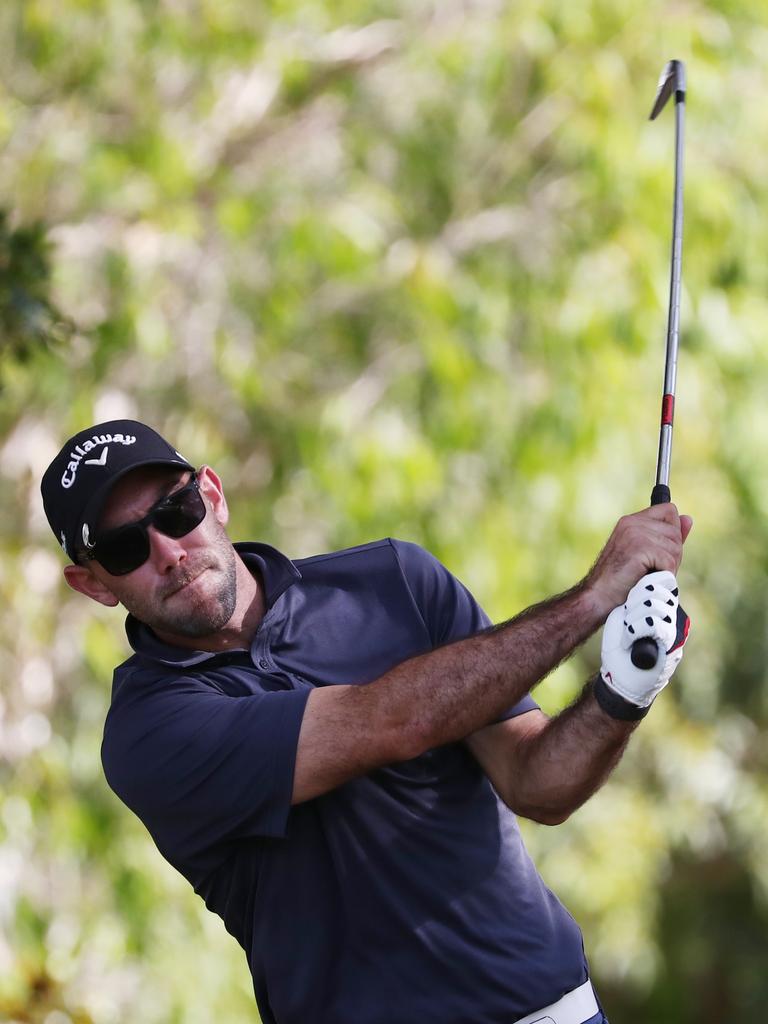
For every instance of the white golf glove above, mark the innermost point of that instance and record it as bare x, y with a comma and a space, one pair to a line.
651, 610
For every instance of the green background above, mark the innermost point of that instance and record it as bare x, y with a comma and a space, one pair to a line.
392, 268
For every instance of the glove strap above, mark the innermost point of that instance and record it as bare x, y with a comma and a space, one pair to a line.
615, 705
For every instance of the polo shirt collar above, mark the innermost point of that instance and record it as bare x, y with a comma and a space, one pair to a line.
277, 570
278, 573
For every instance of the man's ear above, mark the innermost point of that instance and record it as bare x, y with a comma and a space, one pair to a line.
211, 487
83, 581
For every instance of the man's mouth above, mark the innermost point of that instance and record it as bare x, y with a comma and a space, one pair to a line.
184, 583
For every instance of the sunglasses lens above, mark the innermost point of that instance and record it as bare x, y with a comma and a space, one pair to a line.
180, 513
123, 551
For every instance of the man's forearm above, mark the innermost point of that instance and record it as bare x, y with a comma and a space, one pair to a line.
451, 692
564, 763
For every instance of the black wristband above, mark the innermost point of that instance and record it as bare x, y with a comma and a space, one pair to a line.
615, 705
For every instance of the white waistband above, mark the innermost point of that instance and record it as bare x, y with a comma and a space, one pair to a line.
575, 1007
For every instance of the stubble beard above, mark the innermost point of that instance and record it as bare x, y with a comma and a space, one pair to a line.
194, 612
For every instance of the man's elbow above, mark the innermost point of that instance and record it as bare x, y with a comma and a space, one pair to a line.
554, 813
400, 735
411, 737
552, 817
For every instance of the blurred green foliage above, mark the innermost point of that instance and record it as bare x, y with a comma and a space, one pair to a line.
27, 319
392, 268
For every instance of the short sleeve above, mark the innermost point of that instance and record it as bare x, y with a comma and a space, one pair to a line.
448, 609
201, 768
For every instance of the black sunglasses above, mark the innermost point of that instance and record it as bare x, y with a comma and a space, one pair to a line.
125, 548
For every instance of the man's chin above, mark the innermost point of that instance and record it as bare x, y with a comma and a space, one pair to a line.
194, 626
201, 619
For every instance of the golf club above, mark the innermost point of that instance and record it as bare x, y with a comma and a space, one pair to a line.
645, 650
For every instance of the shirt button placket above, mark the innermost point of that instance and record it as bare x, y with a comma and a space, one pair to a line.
260, 652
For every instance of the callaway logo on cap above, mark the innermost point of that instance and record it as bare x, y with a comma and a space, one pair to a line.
77, 482
80, 451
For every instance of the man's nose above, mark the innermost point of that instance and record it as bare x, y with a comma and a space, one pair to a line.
166, 553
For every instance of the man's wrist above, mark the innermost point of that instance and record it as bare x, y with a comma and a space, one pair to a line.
594, 608
616, 706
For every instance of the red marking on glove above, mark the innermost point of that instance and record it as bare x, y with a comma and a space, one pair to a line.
679, 641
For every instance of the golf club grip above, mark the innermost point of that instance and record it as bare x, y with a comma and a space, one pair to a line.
660, 494
644, 651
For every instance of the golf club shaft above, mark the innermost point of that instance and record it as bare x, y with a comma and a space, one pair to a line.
661, 490
645, 651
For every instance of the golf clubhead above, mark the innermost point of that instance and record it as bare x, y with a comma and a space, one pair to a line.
672, 81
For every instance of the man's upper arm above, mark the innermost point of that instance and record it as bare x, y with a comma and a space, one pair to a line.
200, 767
448, 610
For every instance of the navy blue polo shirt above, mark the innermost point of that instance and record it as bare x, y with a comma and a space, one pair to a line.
405, 896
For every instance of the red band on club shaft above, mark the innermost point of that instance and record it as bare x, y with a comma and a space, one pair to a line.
667, 410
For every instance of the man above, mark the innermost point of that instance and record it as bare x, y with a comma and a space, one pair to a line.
331, 750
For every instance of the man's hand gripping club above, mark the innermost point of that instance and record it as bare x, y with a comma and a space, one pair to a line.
651, 610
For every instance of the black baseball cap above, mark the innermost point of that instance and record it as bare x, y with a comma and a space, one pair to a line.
77, 482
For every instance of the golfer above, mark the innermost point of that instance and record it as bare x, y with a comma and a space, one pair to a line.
333, 750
